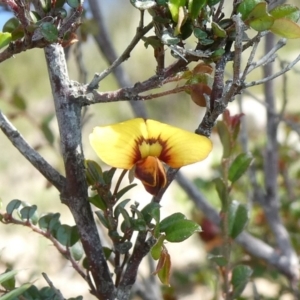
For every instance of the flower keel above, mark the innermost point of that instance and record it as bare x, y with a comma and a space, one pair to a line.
151, 173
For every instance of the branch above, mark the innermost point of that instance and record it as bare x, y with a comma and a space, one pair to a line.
132, 93
21, 46
268, 57
68, 113
31, 155
123, 57
141, 249
56, 291
271, 202
105, 45
287, 68
252, 245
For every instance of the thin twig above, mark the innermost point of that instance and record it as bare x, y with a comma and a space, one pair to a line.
124, 56
105, 45
56, 291
273, 76
31, 155
268, 57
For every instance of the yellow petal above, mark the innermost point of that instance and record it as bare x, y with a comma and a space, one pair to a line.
123, 144
179, 147
151, 173
117, 144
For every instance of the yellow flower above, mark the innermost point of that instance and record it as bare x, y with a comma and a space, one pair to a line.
145, 144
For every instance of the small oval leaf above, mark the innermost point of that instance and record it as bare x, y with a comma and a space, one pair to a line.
287, 11
170, 220
286, 28
195, 7
239, 166
5, 39
49, 32
237, 218
181, 230
12, 205
240, 277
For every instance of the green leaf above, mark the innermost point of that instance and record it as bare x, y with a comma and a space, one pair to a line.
171, 220
239, 166
181, 230
18, 100
9, 284
75, 237
220, 260
218, 31
259, 19
5, 39
240, 277
32, 293
157, 248
7, 275
49, 31
259, 11
108, 175
94, 174
74, 3
124, 190
246, 6
237, 218
11, 25
221, 189
161, 2
98, 202
77, 251
153, 41
126, 224
200, 34
107, 252
16, 292
165, 270
174, 6
29, 213
13, 205
151, 210
287, 11
212, 2
225, 137
123, 248
195, 7
138, 224
262, 24
49, 222
286, 28
46, 5
102, 218
122, 204
67, 235
35, 17
63, 234
217, 54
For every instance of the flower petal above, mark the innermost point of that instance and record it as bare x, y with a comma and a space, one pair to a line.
117, 144
180, 147
123, 144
